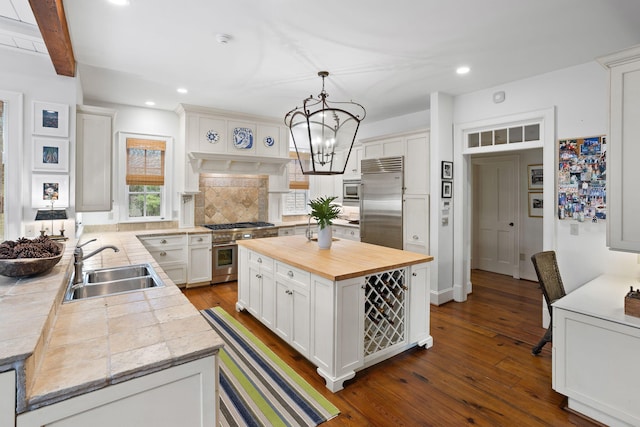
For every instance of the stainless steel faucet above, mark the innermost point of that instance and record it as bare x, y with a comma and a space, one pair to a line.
79, 257
309, 233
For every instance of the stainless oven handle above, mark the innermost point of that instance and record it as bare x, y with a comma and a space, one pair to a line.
222, 245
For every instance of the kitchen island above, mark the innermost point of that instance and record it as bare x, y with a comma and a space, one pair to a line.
344, 308
145, 357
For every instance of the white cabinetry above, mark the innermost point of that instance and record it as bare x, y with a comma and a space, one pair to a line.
292, 306
199, 259
595, 349
170, 251
340, 326
623, 150
352, 170
416, 223
184, 395
93, 159
8, 401
346, 232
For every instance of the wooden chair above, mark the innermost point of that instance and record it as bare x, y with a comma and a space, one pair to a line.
550, 282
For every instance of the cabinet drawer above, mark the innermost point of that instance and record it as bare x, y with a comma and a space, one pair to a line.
286, 231
162, 241
294, 275
200, 239
168, 255
263, 262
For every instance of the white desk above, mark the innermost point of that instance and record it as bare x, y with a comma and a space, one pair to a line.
596, 351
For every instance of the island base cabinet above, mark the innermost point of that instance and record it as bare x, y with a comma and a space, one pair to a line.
292, 306
8, 400
184, 395
595, 366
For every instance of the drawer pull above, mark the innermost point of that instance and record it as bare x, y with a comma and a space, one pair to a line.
199, 239
290, 273
415, 237
259, 260
163, 241
163, 253
289, 292
414, 274
259, 276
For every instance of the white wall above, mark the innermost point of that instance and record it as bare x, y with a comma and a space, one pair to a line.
33, 76
146, 121
530, 227
579, 95
400, 124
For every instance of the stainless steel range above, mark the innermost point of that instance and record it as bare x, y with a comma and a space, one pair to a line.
225, 250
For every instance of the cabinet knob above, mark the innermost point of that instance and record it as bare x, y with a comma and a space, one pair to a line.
163, 253
289, 292
199, 239
415, 237
259, 260
353, 233
290, 273
259, 276
414, 274
163, 241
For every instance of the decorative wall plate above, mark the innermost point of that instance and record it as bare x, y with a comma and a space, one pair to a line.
213, 136
269, 141
243, 138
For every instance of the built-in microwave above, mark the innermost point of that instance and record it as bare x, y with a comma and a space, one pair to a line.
351, 192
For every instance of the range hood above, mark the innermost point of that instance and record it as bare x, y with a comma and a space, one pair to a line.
229, 163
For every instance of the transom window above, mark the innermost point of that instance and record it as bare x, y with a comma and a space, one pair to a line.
504, 136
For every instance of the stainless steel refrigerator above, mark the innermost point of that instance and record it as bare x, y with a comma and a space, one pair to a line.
381, 201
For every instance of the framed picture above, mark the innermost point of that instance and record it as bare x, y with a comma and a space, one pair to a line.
534, 177
535, 204
447, 189
447, 170
50, 155
50, 119
49, 189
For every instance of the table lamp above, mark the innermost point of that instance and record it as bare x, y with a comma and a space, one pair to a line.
52, 215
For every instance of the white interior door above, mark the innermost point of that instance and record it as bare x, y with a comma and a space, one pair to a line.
495, 184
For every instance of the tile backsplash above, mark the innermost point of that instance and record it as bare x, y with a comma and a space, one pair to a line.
231, 198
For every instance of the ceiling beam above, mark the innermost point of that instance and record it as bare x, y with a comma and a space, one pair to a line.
55, 33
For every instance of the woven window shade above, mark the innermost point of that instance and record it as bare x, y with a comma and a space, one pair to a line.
298, 181
145, 161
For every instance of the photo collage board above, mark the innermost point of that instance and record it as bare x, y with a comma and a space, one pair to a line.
582, 179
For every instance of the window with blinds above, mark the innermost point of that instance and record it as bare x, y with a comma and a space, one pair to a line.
295, 202
145, 162
145, 177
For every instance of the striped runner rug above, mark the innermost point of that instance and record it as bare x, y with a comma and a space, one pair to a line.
256, 387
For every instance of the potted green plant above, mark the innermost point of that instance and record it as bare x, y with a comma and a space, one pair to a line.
324, 213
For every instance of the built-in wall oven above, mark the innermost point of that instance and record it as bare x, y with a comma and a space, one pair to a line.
224, 251
351, 189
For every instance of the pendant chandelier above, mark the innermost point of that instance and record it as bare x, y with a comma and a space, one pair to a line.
323, 135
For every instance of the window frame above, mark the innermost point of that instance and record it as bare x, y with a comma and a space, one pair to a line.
123, 188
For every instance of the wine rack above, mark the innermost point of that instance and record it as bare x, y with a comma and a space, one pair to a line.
384, 309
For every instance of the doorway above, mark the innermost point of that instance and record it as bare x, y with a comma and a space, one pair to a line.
495, 214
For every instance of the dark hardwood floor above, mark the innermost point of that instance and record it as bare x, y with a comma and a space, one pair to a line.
480, 370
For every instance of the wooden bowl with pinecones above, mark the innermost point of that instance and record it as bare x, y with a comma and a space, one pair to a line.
25, 257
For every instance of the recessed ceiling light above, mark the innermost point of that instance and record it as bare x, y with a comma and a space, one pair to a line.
150, 103
182, 90
463, 70
120, 2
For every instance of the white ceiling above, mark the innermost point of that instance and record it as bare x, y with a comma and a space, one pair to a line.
387, 55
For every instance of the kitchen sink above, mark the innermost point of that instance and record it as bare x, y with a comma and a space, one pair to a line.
117, 273
111, 281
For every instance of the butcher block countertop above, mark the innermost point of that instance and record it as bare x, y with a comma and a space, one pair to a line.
344, 260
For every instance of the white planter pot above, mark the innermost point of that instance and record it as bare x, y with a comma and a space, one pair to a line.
324, 237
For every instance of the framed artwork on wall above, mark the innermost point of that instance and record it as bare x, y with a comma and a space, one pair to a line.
447, 170
447, 189
50, 155
48, 190
534, 177
535, 204
50, 119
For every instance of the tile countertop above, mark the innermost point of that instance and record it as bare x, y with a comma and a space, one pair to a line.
63, 350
